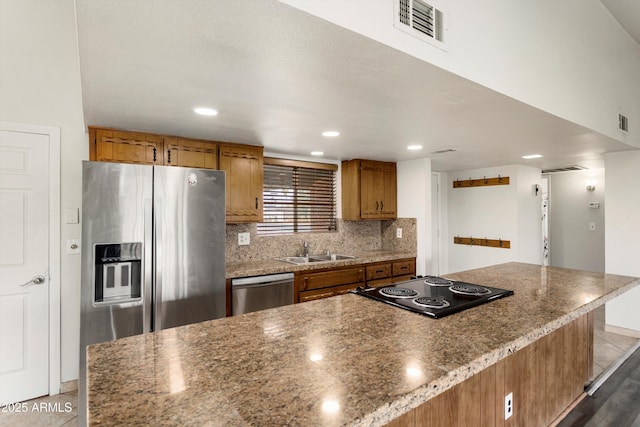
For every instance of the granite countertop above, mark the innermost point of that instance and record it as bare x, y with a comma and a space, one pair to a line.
272, 266
345, 360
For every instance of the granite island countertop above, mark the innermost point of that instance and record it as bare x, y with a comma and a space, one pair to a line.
273, 265
345, 360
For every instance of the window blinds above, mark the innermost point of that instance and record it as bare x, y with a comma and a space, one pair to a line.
298, 197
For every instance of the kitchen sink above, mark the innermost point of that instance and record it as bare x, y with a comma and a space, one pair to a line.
332, 257
295, 259
314, 258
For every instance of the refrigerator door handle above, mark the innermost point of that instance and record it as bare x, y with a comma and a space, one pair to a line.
148, 266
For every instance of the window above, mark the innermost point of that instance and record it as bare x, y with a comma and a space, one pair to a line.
299, 197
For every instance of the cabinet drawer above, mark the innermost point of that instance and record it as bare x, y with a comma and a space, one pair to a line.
378, 271
403, 268
341, 290
330, 278
316, 294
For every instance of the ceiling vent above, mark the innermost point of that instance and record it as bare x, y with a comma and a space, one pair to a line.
623, 123
446, 150
421, 20
565, 169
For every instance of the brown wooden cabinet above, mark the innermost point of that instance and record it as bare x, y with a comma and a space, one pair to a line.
328, 282
112, 145
403, 270
243, 165
190, 153
369, 190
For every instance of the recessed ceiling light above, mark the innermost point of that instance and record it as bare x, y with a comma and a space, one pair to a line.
331, 133
414, 147
203, 111
532, 156
317, 153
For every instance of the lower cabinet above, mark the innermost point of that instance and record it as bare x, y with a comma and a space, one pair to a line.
545, 378
324, 283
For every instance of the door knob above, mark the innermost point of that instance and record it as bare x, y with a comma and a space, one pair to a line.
36, 280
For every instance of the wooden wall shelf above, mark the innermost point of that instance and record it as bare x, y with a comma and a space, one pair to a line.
482, 182
481, 241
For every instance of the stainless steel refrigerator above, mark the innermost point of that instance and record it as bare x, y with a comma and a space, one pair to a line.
153, 252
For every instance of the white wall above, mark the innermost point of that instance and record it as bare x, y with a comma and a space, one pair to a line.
572, 244
553, 55
40, 84
529, 205
414, 201
622, 240
509, 212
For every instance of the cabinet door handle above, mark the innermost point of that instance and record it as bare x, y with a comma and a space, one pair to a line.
154, 154
256, 203
381, 206
379, 271
168, 156
377, 205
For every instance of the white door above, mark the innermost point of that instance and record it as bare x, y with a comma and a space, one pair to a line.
435, 224
24, 265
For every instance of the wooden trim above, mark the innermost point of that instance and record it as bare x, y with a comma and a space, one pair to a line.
482, 182
482, 241
568, 409
299, 164
92, 143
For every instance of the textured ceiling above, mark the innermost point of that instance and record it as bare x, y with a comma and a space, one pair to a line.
279, 77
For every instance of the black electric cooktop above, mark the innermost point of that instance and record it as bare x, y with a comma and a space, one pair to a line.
433, 296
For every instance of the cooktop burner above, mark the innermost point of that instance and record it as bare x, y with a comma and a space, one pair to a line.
437, 281
398, 292
432, 302
433, 296
470, 290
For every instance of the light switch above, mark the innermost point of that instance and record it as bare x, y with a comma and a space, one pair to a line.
71, 216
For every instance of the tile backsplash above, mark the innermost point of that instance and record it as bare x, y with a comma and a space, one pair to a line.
351, 237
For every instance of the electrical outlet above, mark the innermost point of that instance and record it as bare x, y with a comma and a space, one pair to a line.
399, 233
508, 406
243, 239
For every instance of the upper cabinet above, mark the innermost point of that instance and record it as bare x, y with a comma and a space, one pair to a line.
243, 165
368, 190
190, 153
111, 145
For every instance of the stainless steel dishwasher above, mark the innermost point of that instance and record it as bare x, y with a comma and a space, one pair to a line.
261, 292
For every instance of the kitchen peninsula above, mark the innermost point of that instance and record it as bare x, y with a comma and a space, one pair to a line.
348, 360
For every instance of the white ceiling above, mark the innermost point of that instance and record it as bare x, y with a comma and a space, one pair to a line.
279, 77
627, 13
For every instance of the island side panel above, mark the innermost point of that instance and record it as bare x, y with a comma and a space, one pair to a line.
545, 377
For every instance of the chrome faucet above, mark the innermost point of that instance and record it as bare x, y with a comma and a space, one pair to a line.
305, 245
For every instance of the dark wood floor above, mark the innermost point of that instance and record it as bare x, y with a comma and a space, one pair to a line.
615, 403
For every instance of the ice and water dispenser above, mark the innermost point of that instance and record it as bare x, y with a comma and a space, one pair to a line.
118, 272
